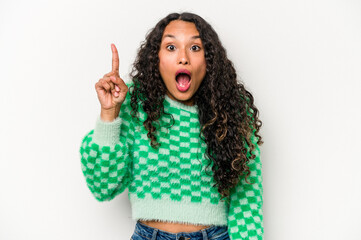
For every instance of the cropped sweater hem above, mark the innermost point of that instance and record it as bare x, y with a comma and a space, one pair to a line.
186, 212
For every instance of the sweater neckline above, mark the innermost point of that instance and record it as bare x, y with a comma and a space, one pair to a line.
176, 104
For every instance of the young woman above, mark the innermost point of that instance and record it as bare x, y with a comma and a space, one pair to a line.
182, 136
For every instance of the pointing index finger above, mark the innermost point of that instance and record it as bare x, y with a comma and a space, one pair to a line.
115, 59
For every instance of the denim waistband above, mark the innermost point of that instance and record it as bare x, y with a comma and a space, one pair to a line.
212, 233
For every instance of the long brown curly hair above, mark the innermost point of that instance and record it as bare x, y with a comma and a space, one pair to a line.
227, 114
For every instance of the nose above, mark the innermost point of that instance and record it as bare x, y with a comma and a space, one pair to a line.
183, 57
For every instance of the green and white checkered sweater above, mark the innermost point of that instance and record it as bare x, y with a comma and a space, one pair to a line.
169, 183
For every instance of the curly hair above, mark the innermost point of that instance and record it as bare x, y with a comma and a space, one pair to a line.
227, 114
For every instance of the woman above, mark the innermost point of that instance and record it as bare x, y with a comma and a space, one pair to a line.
183, 113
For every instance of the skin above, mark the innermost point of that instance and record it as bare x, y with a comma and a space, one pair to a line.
174, 227
181, 48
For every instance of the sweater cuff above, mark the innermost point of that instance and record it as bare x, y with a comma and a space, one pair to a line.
107, 133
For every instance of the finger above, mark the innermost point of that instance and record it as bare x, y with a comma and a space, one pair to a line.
99, 86
105, 85
109, 81
111, 74
115, 61
111, 84
118, 82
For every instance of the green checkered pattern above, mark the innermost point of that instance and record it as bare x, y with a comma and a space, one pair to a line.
170, 183
245, 217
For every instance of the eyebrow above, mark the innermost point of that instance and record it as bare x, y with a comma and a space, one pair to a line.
172, 36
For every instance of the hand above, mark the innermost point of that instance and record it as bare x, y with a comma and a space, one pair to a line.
111, 90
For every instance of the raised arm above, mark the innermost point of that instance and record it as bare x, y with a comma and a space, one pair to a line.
106, 151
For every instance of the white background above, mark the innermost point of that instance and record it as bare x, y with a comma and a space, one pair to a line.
300, 59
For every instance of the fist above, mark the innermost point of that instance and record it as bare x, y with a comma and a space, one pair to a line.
111, 89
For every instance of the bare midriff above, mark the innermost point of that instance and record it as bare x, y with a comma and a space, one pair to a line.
174, 227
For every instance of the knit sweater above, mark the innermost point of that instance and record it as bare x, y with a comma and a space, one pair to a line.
171, 183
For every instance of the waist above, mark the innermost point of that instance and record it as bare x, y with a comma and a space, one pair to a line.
174, 227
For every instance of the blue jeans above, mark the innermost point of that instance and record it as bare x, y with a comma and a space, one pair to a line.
145, 232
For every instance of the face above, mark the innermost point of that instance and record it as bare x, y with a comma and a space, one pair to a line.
182, 64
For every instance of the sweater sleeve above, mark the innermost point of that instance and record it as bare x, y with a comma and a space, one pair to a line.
106, 155
245, 217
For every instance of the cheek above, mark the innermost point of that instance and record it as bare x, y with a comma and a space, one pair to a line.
203, 68
163, 65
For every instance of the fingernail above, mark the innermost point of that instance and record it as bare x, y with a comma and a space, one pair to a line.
116, 94
117, 88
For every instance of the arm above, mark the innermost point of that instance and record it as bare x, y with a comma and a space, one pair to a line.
245, 217
106, 155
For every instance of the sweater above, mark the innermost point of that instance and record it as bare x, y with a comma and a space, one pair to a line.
171, 183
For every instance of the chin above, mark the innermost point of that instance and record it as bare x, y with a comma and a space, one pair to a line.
183, 96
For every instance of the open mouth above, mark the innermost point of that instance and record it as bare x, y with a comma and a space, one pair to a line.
183, 79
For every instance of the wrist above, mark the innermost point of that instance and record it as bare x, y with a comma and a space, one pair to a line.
108, 115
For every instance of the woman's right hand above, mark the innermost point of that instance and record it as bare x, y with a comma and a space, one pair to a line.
111, 90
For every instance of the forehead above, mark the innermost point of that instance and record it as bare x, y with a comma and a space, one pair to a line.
179, 27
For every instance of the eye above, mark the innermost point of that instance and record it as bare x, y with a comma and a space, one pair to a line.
196, 48
171, 47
